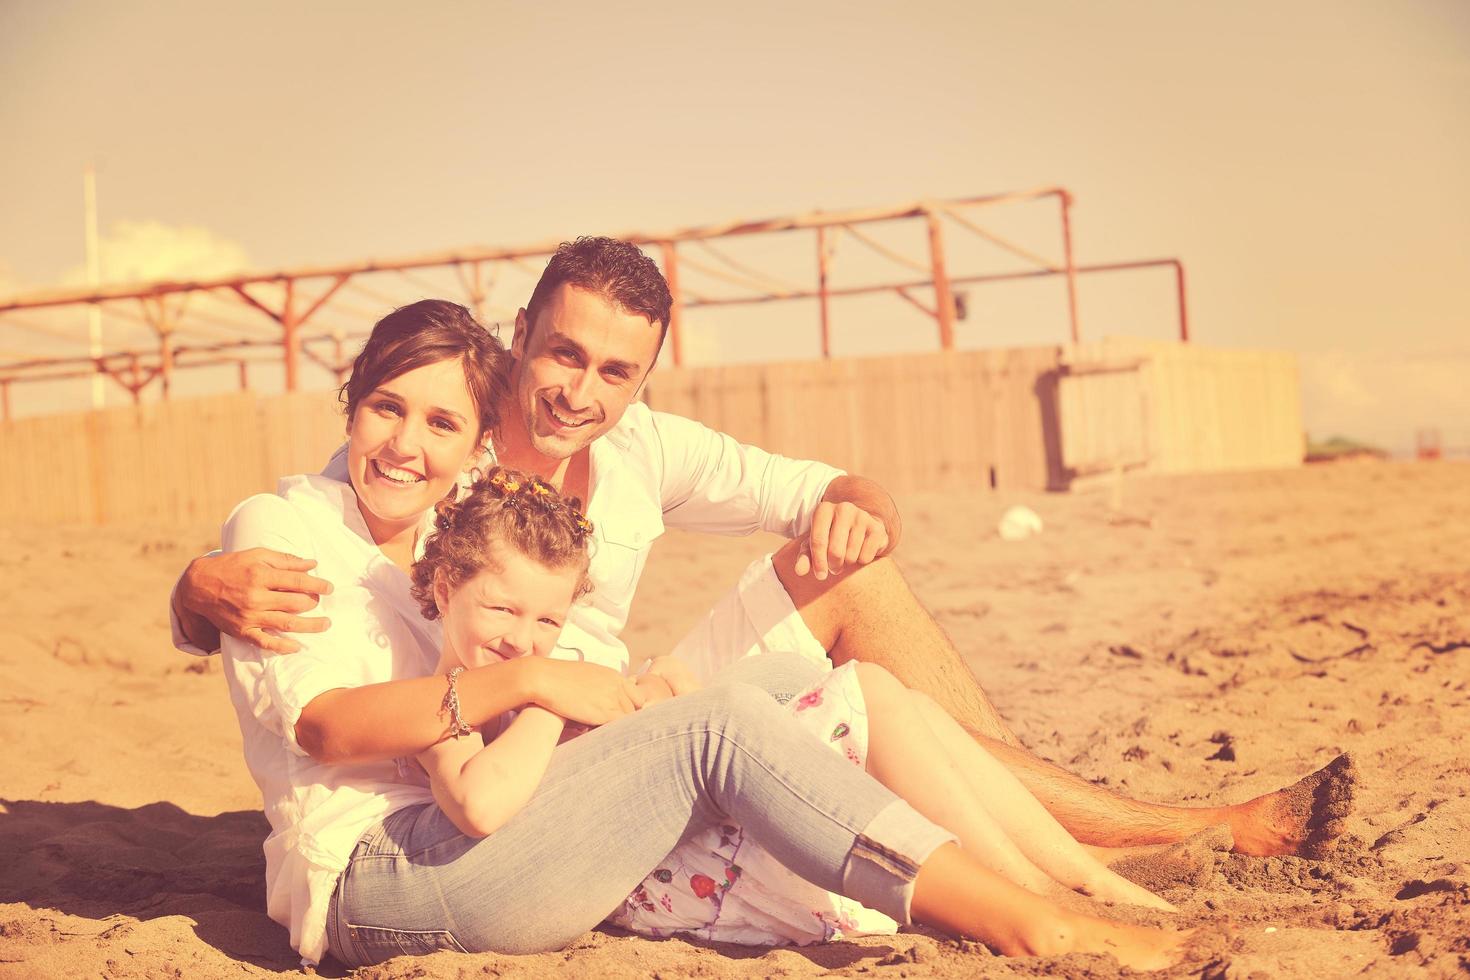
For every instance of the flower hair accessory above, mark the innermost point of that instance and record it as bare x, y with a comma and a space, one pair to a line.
534, 490
505, 486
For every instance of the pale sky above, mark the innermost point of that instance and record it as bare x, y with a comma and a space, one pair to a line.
1305, 160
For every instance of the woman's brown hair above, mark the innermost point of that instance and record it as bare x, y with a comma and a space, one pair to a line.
427, 332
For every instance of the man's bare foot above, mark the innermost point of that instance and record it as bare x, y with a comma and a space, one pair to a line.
1304, 818
1188, 863
1136, 947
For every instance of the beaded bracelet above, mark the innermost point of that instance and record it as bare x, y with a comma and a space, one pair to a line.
450, 705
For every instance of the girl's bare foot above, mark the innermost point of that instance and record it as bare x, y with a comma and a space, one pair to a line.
1111, 887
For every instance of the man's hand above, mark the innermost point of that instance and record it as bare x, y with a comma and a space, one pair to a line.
588, 694
675, 673
246, 593
856, 522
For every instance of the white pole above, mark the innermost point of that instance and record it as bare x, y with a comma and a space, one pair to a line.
94, 277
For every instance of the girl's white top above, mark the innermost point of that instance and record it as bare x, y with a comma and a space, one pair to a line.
318, 812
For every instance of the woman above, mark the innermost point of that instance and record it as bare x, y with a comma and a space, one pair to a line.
611, 804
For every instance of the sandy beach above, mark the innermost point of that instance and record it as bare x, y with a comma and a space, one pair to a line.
1190, 639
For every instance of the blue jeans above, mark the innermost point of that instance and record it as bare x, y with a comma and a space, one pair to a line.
613, 803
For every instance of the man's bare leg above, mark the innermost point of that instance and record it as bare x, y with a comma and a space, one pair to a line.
870, 614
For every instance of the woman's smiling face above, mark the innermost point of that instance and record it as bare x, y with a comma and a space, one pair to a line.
407, 443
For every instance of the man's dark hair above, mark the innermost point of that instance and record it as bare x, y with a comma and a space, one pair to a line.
616, 270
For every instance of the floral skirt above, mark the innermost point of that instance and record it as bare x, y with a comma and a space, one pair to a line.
723, 886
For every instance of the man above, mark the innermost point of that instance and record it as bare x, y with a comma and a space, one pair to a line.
582, 349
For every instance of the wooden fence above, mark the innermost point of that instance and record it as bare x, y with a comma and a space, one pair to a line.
1032, 418
185, 461
1178, 408
945, 419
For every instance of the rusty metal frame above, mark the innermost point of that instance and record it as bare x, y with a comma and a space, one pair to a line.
164, 305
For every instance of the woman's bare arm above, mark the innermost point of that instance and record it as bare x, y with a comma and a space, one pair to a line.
397, 718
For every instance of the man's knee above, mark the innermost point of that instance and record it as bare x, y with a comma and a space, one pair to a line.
856, 583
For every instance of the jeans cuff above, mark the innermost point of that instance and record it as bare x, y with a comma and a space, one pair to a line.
886, 857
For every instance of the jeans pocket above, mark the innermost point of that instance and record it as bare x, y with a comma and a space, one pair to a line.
374, 945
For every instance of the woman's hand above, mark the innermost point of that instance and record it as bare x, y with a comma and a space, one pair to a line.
588, 694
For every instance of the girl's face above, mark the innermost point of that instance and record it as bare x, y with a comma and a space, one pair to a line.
407, 443
508, 611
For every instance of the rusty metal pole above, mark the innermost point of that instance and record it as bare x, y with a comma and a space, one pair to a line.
158, 316
5, 397
822, 297
165, 361
341, 367
244, 375
476, 289
290, 341
1183, 307
136, 372
943, 298
1071, 264
676, 311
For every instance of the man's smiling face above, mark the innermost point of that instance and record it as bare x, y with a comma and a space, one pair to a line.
578, 368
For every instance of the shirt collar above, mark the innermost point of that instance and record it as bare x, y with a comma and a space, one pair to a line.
337, 498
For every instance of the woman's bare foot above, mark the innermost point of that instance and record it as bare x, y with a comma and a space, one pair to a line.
1109, 886
1136, 947
1188, 863
1304, 818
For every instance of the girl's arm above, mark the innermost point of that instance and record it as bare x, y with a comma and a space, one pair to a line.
478, 786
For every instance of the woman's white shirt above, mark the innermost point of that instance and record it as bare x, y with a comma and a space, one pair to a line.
318, 811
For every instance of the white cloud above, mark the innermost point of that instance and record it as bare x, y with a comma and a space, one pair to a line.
140, 251
130, 251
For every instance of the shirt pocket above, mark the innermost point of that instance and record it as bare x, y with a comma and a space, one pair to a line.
618, 560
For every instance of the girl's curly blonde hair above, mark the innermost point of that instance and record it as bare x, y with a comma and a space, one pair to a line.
504, 508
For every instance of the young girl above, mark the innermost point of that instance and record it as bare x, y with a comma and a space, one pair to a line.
501, 571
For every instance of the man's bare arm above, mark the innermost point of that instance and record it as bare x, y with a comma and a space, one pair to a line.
856, 522
245, 593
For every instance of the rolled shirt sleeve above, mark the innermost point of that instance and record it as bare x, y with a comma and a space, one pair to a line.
277, 687
712, 483
181, 640
336, 469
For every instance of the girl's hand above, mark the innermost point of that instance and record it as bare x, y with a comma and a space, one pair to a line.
675, 673
654, 688
589, 694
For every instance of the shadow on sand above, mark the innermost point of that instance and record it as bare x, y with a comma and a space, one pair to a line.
98, 861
